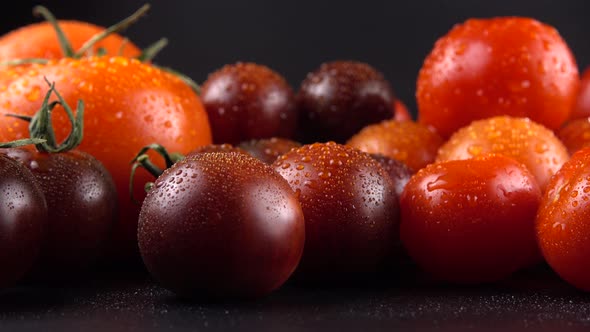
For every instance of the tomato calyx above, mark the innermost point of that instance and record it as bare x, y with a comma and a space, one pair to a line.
142, 159
41, 129
65, 44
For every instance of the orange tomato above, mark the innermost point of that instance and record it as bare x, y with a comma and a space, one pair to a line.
39, 40
128, 104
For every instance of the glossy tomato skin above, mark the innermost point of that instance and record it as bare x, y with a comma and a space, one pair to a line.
582, 106
409, 142
269, 149
562, 221
350, 208
341, 97
23, 217
248, 101
39, 40
499, 66
398, 172
128, 105
221, 225
575, 134
520, 138
82, 207
471, 221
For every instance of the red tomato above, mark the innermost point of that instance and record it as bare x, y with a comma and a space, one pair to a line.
500, 66
471, 221
563, 226
40, 41
575, 135
128, 104
582, 106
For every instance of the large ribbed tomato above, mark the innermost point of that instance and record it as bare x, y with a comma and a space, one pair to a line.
128, 104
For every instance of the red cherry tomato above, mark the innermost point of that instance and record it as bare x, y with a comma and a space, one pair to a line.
575, 135
582, 106
563, 226
500, 66
471, 221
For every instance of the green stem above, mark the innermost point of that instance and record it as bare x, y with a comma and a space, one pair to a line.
142, 161
64, 43
21, 142
151, 51
125, 23
18, 62
196, 88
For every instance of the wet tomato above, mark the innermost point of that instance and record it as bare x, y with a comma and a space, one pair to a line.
582, 105
471, 221
340, 98
247, 101
411, 143
520, 138
129, 104
40, 41
350, 208
82, 207
221, 225
23, 217
499, 66
575, 134
562, 221
268, 150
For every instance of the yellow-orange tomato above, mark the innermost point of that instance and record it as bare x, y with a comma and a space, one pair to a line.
128, 104
575, 135
520, 138
409, 142
39, 40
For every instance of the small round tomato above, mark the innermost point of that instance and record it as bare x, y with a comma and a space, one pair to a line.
407, 141
341, 97
575, 135
247, 101
520, 138
471, 221
500, 66
221, 225
82, 208
582, 106
350, 208
128, 105
563, 226
268, 150
23, 217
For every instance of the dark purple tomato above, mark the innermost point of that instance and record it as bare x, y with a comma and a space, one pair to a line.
399, 173
268, 149
246, 101
350, 208
225, 147
340, 98
23, 216
82, 207
221, 225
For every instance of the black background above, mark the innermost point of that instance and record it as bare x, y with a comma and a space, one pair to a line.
294, 37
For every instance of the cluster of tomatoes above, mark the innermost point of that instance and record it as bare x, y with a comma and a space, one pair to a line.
326, 184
